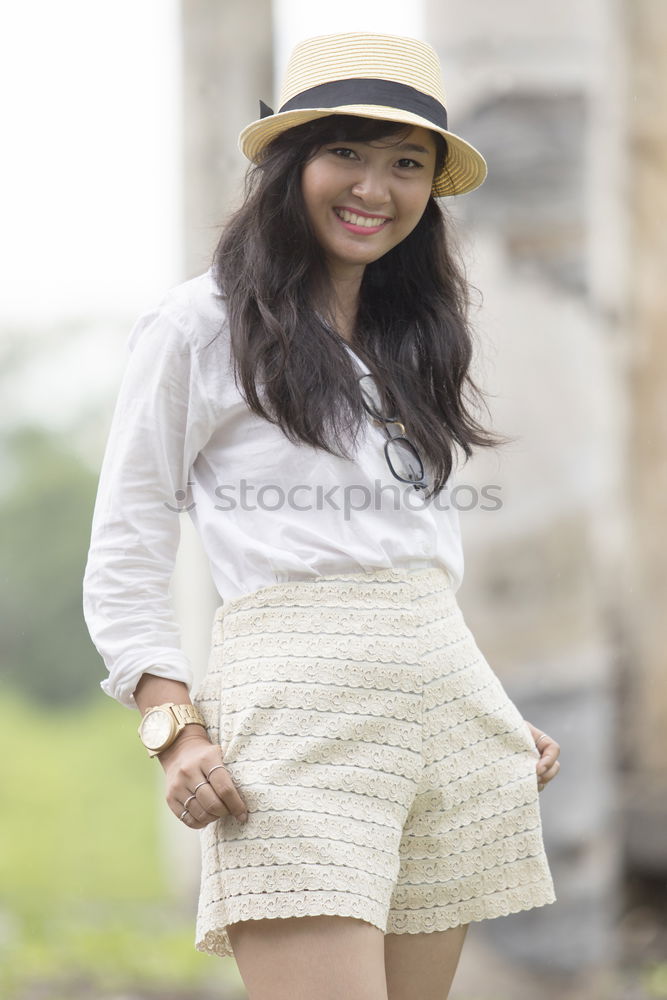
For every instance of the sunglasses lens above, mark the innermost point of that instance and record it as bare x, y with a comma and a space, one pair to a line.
404, 461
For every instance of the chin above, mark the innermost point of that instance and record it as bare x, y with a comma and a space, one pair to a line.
364, 258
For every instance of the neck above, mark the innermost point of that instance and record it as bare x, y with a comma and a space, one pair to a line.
344, 299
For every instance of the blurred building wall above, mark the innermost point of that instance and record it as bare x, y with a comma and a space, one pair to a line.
227, 68
539, 90
227, 65
644, 717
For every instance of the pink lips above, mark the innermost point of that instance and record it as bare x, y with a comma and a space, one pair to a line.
361, 230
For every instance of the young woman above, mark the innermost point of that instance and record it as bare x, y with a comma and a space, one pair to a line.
363, 784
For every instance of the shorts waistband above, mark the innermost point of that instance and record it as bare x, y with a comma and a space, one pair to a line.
422, 574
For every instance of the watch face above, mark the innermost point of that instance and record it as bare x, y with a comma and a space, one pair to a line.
156, 729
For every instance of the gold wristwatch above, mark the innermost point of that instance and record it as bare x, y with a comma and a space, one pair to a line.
162, 724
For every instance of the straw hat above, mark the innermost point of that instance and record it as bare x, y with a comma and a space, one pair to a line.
376, 76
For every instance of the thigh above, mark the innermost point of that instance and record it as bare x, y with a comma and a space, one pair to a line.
422, 965
310, 958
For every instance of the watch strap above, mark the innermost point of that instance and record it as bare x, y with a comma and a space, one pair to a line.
186, 714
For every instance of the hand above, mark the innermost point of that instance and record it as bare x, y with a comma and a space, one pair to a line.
195, 783
548, 766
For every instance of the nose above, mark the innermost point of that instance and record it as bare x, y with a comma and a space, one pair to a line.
372, 187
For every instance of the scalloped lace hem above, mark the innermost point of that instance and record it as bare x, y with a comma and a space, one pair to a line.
216, 942
299, 904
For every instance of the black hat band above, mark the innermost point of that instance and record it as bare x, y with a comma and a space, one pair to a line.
387, 93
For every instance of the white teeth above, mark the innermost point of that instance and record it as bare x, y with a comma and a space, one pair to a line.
358, 220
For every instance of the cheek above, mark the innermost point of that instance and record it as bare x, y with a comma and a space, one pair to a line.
413, 209
307, 188
313, 188
420, 198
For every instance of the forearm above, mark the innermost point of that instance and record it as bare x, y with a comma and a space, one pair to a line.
152, 690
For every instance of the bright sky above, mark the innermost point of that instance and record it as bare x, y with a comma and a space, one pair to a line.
90, 112
297, 19
90, 193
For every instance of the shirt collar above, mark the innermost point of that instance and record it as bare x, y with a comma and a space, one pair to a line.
361, 364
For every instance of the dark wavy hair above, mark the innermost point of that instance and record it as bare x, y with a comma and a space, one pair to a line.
412, 329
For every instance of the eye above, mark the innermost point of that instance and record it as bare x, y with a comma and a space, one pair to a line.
409, 164
344, 152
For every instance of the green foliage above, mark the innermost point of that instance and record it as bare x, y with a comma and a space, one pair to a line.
656, 980
84, 904
90, 784
46, 514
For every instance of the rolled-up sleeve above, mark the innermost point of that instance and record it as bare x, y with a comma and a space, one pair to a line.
161, 420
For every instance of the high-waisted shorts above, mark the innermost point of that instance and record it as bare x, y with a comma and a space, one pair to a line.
387, 774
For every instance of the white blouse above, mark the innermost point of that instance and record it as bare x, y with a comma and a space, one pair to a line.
182, 439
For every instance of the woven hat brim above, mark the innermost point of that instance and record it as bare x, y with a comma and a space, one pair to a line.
464, 170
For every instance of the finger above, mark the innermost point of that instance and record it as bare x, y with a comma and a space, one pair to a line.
215, 797
548, 759
183, 800
199, 817
211, 802
203, 804
195, 806
550, 773
222, 784
543, 766
194, 824
198, 813
185, 786
222, 787
188, 820
541, 740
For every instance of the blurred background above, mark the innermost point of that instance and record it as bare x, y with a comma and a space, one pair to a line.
120, 166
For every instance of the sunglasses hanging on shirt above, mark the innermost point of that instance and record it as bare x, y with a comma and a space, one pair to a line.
403, 459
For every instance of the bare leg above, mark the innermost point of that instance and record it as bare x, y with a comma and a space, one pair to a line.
422, 965
310, 958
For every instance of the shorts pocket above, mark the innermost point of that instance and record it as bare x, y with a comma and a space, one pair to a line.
209, 694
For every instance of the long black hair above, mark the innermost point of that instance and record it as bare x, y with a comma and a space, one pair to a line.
412, 329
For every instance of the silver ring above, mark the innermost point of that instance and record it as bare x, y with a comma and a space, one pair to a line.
199, 785
184, 813
540, 738
185, 804
212, 770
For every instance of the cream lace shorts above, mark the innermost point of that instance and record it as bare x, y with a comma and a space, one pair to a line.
388, 775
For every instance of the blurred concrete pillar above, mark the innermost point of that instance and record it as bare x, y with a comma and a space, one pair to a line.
227, 65
644, 23
527, 87
227, 68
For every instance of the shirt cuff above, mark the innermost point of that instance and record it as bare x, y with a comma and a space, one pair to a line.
122, 688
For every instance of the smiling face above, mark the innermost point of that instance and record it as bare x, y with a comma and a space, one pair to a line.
363, 198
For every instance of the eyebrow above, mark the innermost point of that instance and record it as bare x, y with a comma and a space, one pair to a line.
410, 148
406, 147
